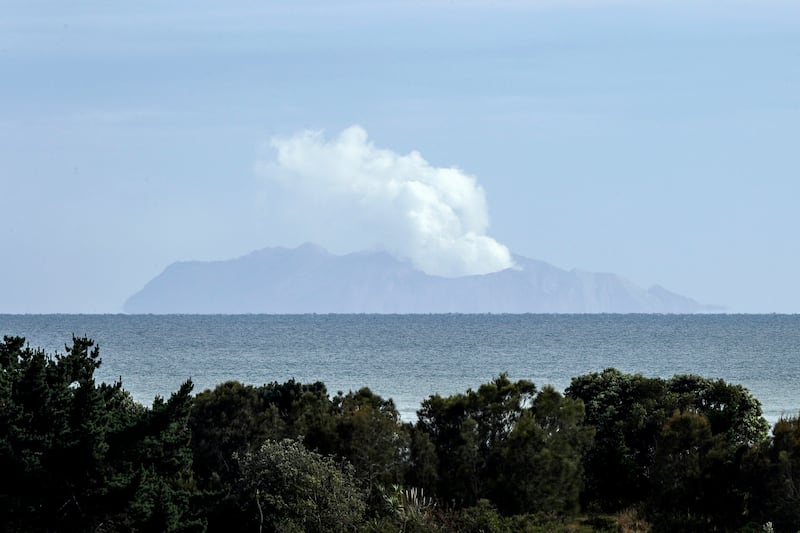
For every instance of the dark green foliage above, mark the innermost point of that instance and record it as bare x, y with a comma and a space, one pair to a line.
730, 409
783, 503
225, 421
154, 453
370, 436
541, 461
235, 418
291, 489
407, 510
629, 413
689, 452
232, 419
465, 430
506, 444
76, 456
772, 471
484, 517
304, 411
678, 478
423, 466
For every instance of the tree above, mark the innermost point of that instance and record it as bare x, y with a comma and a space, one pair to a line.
224, 421
541, 468
730, 409
371, 438
772, 474
519, 450
678, 491
634, 419
465, 429
79, 456
423, 467
304, 410
234, 419
627, 412
292, 489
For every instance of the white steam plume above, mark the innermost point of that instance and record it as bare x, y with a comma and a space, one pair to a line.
347, 190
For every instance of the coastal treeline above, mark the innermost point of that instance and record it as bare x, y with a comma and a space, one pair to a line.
613, 452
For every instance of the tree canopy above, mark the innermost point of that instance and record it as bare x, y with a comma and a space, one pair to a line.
686, 453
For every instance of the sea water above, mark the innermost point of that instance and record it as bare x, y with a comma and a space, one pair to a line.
409, 357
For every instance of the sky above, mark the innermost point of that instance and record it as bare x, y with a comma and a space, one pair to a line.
656, 140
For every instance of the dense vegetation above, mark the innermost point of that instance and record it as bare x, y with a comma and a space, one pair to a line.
615, 452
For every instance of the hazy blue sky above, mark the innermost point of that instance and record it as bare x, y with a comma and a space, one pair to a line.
656, 140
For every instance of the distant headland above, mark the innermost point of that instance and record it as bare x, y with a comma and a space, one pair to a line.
309, 279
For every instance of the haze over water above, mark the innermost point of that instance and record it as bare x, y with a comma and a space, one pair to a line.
409, 357
653, 140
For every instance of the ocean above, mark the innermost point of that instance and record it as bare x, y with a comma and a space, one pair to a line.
409, 357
